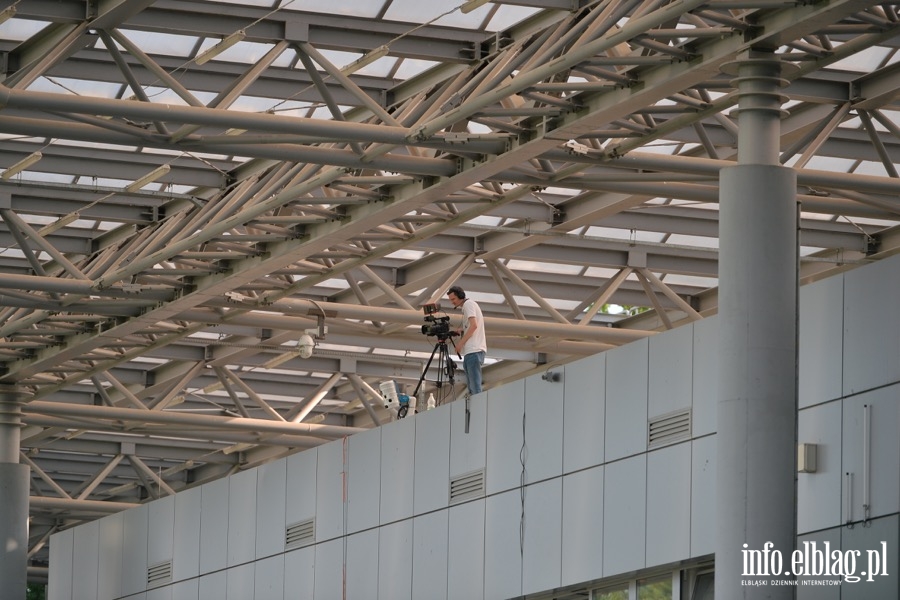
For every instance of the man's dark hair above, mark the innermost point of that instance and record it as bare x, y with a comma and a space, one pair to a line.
458, 292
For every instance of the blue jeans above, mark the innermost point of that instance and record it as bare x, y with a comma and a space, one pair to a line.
472, 366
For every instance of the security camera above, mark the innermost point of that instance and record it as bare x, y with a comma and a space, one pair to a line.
305, 345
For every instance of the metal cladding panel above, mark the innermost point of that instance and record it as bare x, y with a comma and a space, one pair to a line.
86, 562
541, 568
161, 593
213, 586
186, 544
329, 583
186, 590
300, 573
301, 486
468, 450
363, 566
821, 335
432, 460
134, 550
466, 564
883, 444
582, 526
624, 515
364, 480
705, 380
881, 537
268, 578
430, 558
503, 559
213, 526
819, 493
818, 540
626, 400
703, 495
669, 504
504, 420
584, 413
161, 535
109, 580
59, 583
543, 427
271, 498
398, 444
330, 473
242, 517
670, 386
871, 326
395, 558
240, 582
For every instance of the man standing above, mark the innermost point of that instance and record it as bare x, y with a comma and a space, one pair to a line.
472, 345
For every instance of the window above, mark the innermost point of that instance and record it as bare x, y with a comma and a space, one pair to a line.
658, 588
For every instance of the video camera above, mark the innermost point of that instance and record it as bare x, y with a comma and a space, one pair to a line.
436, 326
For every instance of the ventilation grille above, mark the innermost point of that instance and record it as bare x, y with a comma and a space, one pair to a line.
466, 487
159, 574
300, 534
670, 428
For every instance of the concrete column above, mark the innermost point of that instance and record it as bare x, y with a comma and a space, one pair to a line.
757, 409
13, 499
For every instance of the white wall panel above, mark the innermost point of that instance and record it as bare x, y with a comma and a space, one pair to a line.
705, 376
268, 578
468, 449
213, 586
134, 550
543, 427
465, 567
329, 583
429, 566
817, 541
300, 573
395, 561
884, 451
584, 413
186, 544
869, 539
541, 566
703, 495
186, 590
819, 493
330, 472
503, 560
364, 480
362, 566
271, 498
161, 533
301, 486
398, 447
59, 581
871, 326
213, 526
109, 580
431, 487
669, 504
821, 340
86, 562
504, 442
626, 400
240, 582
242, 517
161, 593
671, 371
624, 512
582, 526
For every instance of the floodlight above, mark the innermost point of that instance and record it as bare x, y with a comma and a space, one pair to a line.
22, 165
221, 47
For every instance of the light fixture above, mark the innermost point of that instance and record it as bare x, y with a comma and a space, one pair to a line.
221, 47
148, 178
472, 5
366, 59
7, 13
22, 165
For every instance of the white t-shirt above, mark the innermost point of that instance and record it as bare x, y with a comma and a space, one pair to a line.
477, 342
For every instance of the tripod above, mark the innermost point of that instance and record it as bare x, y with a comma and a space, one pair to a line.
446, 366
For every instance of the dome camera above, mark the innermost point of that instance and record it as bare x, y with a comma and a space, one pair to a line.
305, 345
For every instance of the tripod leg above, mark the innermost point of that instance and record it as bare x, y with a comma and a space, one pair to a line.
425, 370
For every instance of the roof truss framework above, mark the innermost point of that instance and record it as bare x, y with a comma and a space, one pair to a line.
563, 162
